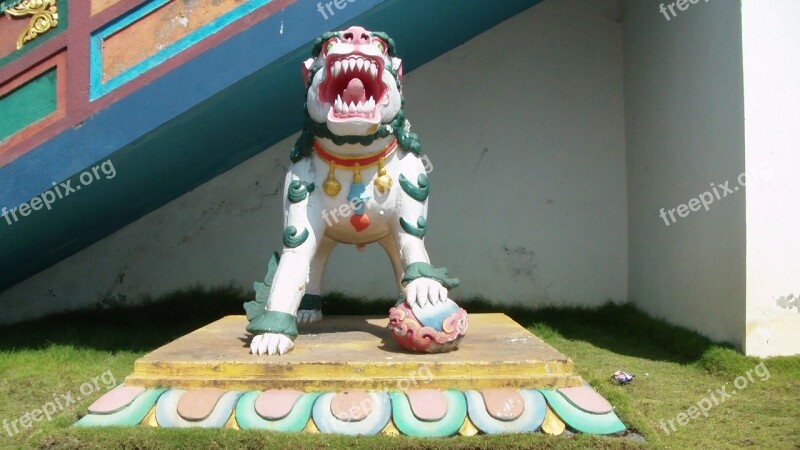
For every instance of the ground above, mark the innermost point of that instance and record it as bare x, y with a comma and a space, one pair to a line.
675, 369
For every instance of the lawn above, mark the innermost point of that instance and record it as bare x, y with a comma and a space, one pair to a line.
747, 403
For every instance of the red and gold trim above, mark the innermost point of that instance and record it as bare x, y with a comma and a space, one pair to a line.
331, 186
352, 161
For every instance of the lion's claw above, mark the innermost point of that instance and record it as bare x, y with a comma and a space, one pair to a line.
424, 290
271, 344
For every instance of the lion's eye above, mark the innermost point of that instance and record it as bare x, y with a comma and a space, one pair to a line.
329, 46
380, 46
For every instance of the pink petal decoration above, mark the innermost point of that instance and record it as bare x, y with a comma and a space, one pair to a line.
586, 399
275, 404
198, 404
351, 406
429, 405
503, 404
116, 399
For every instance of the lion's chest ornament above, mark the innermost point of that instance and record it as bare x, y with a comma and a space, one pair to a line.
357, 146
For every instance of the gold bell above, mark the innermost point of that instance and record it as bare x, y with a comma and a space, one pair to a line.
383, 182
331, 185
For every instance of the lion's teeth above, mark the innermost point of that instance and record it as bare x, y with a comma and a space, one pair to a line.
360, 64
345, 109
337, 68
373, 70
338, 103
352, 108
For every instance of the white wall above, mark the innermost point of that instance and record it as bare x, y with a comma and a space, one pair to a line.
684, 131
771, 96
524, 128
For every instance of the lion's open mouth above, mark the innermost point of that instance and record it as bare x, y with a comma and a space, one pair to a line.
353, 87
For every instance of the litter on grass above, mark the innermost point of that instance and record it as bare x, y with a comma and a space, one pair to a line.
621, 377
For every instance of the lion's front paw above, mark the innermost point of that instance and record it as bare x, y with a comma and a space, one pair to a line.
309, 315
271, 344
424, 291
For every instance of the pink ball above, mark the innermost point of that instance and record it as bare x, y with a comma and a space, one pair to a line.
412, 335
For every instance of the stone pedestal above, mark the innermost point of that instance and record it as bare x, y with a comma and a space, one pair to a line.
347, 375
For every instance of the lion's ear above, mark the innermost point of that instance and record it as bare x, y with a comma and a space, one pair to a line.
397, 65
306, 66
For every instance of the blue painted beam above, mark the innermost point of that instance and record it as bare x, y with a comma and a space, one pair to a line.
203, 125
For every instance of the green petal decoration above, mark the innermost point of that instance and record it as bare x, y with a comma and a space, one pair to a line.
420, 193
299, 191
425, 270
291, 238
295, 422
582, 421
409, 425
129, 416
418, 231
169, 416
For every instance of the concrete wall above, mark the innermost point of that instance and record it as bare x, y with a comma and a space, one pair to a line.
524, 128
684, 131
771, 96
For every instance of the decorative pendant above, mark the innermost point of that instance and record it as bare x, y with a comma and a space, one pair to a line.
331, 185
360, 222
357, 196
383, 181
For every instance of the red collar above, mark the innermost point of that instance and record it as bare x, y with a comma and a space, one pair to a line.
352, 161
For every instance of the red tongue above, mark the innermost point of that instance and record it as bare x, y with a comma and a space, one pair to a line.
355, 92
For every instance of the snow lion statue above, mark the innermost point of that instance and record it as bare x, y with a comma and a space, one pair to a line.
357, 178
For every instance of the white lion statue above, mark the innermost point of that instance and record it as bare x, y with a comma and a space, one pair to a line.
357, 178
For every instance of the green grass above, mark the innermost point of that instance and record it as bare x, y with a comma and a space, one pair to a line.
674, 368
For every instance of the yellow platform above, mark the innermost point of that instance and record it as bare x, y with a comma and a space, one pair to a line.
356, 352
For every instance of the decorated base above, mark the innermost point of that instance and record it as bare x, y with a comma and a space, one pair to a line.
346, 375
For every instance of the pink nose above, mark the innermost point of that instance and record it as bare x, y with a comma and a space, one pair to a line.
356, 35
